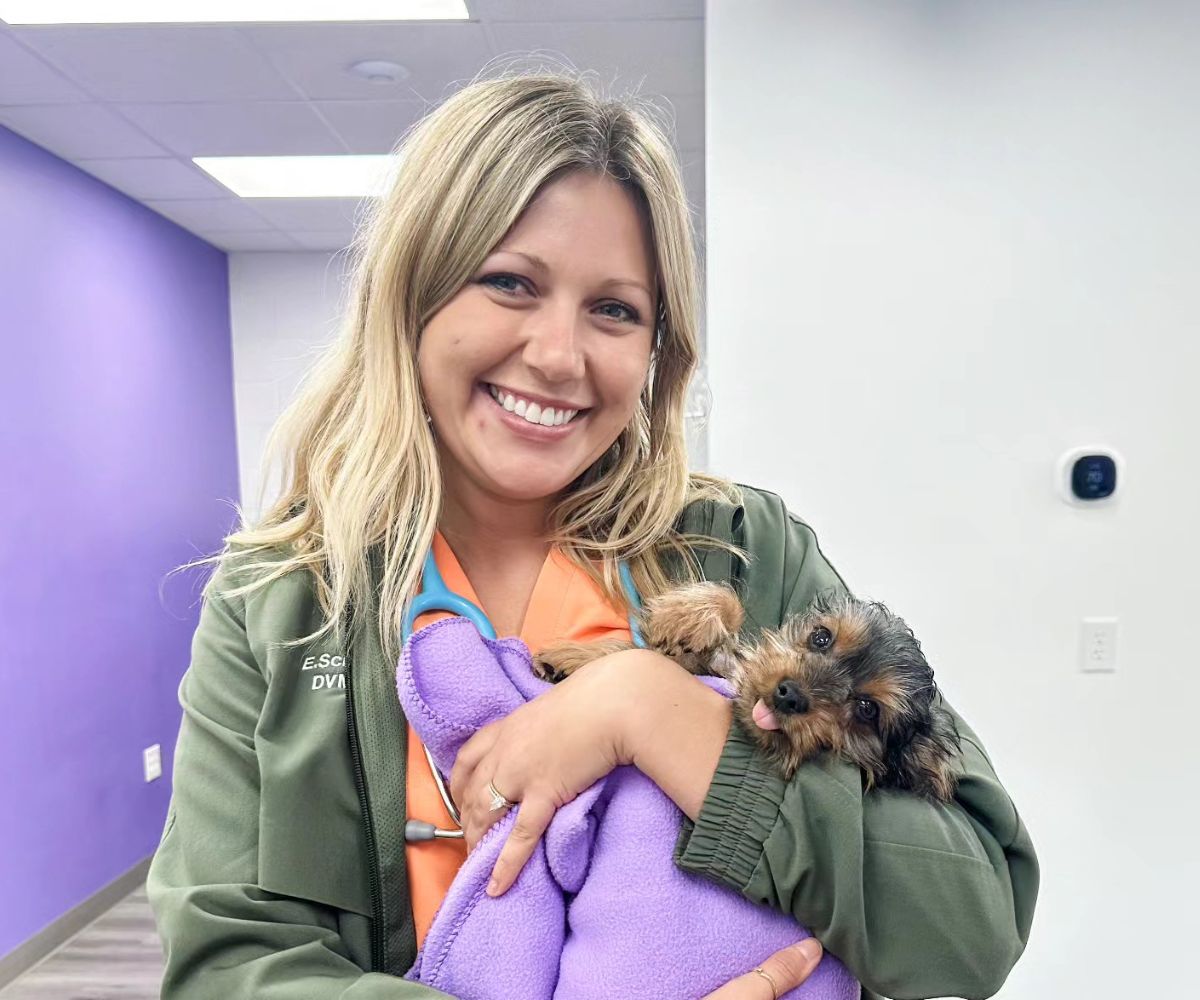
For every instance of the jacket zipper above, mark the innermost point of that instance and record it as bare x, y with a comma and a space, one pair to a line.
360, 782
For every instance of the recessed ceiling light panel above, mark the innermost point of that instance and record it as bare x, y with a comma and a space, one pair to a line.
226, 11
301, 176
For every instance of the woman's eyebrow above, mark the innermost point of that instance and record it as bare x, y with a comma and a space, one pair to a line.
536, 262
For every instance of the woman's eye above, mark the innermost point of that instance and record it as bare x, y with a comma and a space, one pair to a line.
510, 284
821, 638
619, 311
866, 710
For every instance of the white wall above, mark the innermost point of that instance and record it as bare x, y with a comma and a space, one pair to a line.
946, 241
284, 310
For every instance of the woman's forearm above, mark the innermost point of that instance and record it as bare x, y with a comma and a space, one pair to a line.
673, 728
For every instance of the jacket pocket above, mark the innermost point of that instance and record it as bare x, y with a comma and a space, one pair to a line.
311, 840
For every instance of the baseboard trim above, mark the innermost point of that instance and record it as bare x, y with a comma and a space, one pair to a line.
50, 938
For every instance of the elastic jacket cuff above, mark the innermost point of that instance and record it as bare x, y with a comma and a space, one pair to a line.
725, 843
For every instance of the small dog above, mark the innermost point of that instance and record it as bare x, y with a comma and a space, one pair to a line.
847, 676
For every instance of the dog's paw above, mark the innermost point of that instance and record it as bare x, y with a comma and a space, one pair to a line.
557, 663
693, 623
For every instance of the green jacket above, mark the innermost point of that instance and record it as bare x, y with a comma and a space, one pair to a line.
281, 872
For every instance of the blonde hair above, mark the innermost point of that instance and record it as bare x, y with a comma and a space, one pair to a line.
361, 477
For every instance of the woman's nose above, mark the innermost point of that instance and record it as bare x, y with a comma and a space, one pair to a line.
552, 347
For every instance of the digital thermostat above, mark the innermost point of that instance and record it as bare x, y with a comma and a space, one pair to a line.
1089, 477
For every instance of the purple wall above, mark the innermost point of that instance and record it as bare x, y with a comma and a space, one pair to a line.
118, 444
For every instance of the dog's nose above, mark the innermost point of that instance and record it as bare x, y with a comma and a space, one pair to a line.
789, 699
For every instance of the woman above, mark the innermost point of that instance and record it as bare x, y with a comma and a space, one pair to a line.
509, 394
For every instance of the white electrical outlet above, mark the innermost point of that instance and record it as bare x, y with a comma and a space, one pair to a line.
1098, 645
152, 762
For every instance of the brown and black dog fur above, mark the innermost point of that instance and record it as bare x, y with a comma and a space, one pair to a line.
846, 676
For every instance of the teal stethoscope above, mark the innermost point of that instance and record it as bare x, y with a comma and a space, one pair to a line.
436, 596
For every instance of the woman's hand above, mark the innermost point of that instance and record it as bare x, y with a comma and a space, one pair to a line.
783, 971
542, 755
635, 707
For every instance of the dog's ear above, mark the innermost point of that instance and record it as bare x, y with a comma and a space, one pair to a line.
928, 762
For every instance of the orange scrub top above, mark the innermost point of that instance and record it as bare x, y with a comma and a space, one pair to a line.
565, 605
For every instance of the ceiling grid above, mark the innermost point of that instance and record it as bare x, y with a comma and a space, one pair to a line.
132, 104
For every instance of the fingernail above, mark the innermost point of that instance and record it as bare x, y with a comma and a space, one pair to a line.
810, 948
493, 887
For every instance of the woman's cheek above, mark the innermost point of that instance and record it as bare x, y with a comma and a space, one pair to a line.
628, 366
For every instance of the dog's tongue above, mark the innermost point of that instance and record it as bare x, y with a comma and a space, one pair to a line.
763, 717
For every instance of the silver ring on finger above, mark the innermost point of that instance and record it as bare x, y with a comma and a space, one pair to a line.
498, 801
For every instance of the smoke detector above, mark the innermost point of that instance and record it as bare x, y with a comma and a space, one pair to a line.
379, 71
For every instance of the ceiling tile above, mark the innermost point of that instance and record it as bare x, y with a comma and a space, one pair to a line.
159, 62
376, 126
324, 241
663, 57
250, 128
310, 214
212, 215
370, 126
76, 131
26, 79
585, 10
234, 241
157, 177
315, 57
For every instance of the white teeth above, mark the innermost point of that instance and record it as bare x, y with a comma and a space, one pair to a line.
532, 412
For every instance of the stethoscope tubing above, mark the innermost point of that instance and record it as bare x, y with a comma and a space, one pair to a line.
436, 596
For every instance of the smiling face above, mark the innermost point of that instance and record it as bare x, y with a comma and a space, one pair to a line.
532, 370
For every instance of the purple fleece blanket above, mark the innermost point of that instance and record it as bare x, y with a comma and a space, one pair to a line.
600, 910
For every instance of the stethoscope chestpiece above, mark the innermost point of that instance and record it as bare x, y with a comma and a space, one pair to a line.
417, 831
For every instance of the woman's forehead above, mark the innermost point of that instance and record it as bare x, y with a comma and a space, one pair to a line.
585, 221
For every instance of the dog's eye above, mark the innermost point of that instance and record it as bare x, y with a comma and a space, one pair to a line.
866, 710
821, 638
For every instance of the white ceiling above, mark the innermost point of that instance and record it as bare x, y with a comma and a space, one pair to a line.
132, 104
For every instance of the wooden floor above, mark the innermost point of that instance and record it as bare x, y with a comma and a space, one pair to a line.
116, 958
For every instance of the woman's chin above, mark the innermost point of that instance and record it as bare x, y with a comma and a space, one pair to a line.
524, 483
